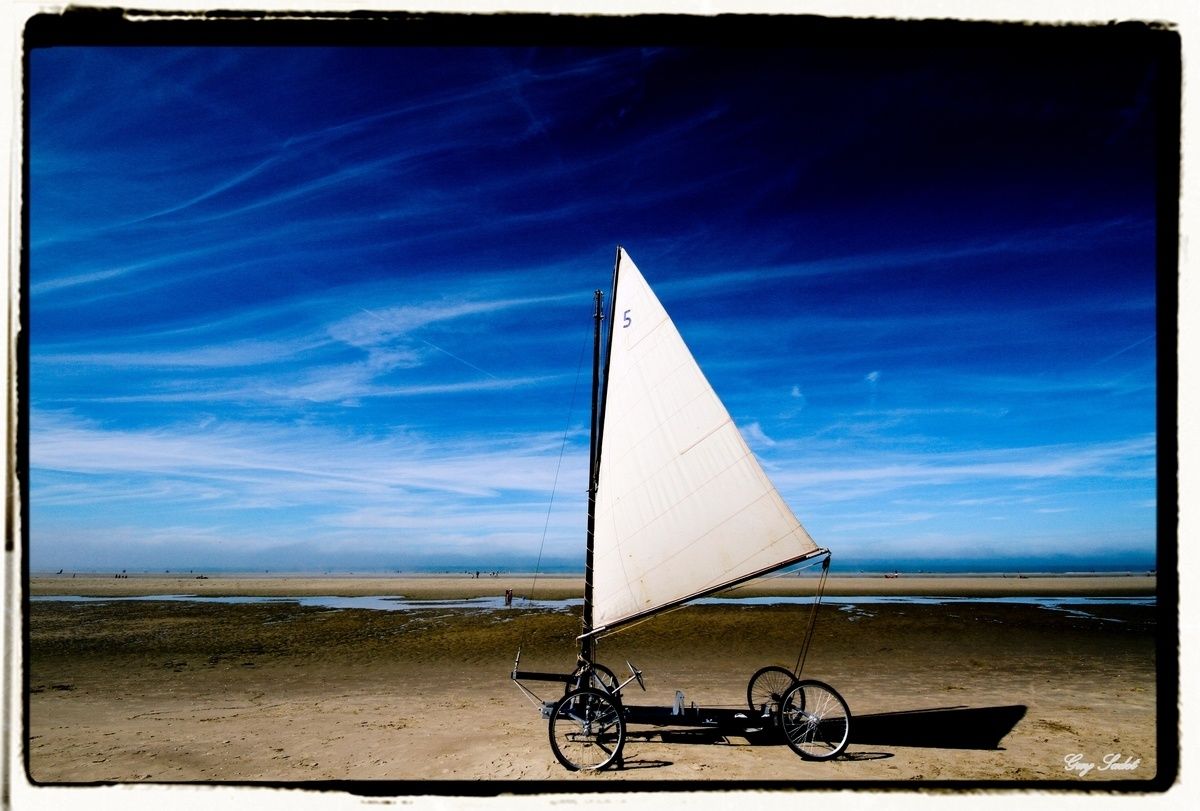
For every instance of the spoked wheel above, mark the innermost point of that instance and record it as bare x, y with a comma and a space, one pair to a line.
600, 677
815, 720
587, 730
767, 687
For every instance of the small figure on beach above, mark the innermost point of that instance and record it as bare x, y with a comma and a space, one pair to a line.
508, 595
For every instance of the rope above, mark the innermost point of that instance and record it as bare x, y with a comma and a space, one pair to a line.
562, 450
812, 618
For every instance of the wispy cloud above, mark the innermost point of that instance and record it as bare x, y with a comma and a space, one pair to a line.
755, 436
225, 493
859, 474
235, 354
305, 363
335, 314
250, 461
1054, 240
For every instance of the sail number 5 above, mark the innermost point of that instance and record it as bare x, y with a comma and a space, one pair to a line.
628, 320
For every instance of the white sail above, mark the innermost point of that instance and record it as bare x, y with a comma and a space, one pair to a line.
682, 507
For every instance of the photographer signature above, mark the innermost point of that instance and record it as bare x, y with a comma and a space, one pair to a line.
1111, 762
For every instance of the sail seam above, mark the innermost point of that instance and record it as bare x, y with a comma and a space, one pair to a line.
747, 453
635, 444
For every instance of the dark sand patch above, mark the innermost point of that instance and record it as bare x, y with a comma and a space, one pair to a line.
188, 691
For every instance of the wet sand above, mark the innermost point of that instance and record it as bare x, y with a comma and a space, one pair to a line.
552, 587
182, 691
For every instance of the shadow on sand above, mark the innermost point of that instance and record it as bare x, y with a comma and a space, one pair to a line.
936, 728
939, 727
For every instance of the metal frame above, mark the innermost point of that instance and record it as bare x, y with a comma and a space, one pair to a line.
722, 718
599, 717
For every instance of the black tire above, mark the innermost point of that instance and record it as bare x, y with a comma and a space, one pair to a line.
815, 720
587, 730
767, 687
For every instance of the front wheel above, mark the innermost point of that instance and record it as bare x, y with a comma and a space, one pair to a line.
587, 730
815, 720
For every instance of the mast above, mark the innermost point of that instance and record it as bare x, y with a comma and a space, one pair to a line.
588, 644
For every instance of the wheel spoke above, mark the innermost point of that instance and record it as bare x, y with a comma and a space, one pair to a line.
587, 730
815, 720
767, 687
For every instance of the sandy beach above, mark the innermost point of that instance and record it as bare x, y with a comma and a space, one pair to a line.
557, 587
187, 691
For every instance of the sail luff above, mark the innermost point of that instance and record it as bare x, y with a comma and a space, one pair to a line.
598, 422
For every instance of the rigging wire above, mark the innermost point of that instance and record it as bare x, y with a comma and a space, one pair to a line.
812, 617
558, 467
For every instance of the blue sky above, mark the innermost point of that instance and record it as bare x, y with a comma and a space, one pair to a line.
321, 308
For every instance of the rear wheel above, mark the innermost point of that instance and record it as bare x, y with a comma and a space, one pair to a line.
587, 730
815, 720
767, 687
